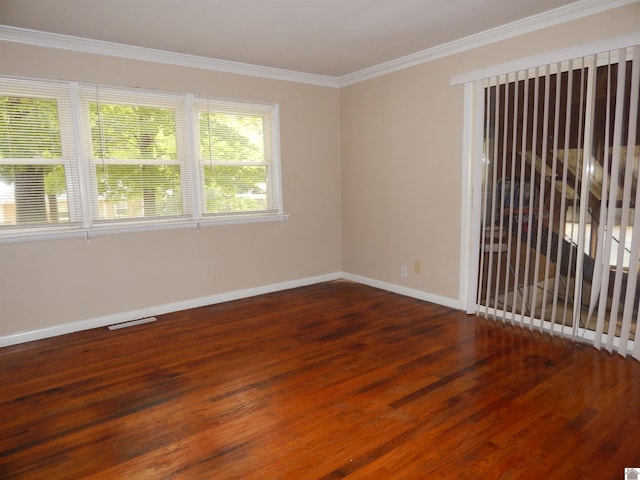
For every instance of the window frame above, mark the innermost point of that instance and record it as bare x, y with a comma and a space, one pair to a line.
59, 92
271, 161
81, 163
112, 96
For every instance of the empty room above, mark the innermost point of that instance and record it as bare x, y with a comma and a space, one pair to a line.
294, 239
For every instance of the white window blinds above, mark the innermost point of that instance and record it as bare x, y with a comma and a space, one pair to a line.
38, 177
237, 151
87, 158
137, 155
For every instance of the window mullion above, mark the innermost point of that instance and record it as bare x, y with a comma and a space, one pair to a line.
192, 157
77, 114
272, 156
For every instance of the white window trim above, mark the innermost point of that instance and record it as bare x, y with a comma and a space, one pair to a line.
59, 91
271, 147
147, 98
195, 218
97, 231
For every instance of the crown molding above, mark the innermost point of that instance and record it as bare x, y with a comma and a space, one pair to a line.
100, 47
573, 11
606, 46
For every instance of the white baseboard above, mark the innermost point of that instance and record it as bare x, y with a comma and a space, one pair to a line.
409, 292
62, 329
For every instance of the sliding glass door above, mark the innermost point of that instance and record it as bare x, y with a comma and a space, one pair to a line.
558, 248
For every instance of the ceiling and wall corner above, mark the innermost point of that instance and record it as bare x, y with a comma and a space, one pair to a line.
284, 39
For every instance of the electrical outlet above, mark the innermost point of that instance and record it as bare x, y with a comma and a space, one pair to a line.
403, 271
417, 266
208, 271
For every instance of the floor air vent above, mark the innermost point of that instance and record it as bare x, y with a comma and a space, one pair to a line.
131, 323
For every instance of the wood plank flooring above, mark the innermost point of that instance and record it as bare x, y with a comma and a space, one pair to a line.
331, 381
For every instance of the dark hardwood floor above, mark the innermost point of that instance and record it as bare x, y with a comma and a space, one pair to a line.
336, 380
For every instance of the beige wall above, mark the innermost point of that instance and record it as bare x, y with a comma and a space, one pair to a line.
401, 137
371, 178
47, 283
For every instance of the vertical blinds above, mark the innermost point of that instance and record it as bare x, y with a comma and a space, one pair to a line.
558, 248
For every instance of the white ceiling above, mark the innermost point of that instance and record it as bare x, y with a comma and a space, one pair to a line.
322, 37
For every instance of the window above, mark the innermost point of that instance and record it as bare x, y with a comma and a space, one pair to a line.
137, 155
93, 158
236, 157
37, 160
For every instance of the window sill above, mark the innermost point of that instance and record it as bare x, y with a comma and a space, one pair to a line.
111, 229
